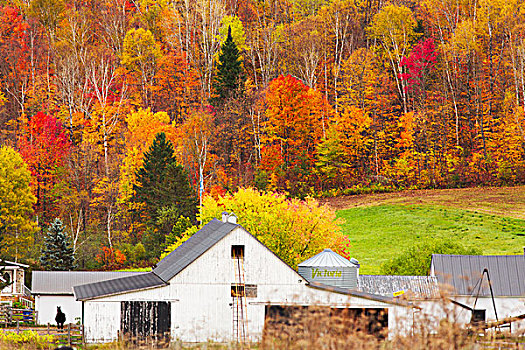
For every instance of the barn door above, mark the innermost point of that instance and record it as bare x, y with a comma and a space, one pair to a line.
146, 321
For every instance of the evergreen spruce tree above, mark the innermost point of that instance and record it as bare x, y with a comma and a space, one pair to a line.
230, 77
58, 252
164, 189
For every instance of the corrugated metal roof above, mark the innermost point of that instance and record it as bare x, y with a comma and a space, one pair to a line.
62, 282
418, 287
463, 273
327, 258
360, 294
117, 286
194, 247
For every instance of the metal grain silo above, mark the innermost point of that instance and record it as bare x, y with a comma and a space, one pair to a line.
331, 269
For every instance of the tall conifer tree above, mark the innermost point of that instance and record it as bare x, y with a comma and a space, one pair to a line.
164, 189
58, 254
230, 76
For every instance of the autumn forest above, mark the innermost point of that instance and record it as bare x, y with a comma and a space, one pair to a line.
309, 98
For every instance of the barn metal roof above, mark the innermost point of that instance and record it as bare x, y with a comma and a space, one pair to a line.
327, 258
360, 294
118, 286
62, 282
417, 287
198, 244
463, 273
166, 269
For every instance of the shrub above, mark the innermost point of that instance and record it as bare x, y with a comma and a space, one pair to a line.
26, 339
415, 261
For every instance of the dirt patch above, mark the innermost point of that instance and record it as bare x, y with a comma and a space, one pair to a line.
501, 201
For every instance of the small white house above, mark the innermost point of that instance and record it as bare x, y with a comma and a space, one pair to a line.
218, 284
16, 290
487, 289
55, 288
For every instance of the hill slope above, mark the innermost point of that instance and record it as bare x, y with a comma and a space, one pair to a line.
382, 226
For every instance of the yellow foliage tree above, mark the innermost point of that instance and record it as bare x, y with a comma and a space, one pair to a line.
16, 205
140, 56
293, 229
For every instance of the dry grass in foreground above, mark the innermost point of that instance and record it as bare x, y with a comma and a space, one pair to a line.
321, 327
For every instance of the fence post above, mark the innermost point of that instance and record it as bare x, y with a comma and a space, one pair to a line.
48, 328
69, 334
82, 335
17, 326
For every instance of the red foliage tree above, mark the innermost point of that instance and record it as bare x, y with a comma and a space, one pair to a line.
44, 146
420, 61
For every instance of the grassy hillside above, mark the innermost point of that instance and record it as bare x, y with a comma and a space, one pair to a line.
383, 226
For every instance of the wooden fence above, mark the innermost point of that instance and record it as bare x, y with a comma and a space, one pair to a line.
20, 320
71, 335
10, 316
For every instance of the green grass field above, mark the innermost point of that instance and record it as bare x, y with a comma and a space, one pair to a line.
384, 230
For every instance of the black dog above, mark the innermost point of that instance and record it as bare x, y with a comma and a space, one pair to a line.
60, 318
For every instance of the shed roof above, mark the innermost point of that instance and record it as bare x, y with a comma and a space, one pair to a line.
327, 258
359, 294
118, 286
166, 269
62, 282
418, 287
463, 273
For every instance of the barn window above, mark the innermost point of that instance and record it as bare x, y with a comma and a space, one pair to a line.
478, 317
251, 290
237, 291
238, 251
247, 290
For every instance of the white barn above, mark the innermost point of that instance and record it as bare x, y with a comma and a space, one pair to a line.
55, 288
194, 292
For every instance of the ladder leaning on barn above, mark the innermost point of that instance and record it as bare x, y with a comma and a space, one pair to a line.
240, 314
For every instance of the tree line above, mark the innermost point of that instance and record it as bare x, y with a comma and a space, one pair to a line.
305, 97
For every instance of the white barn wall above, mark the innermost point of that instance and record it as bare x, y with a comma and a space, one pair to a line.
505, 306
433, 311
101, 321
46, 306
201, 294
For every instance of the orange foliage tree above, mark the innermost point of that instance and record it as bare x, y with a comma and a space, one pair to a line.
111, 259
295, 122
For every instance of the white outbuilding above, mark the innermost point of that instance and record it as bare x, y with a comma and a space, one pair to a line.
487, 289
221, 285
55, 288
